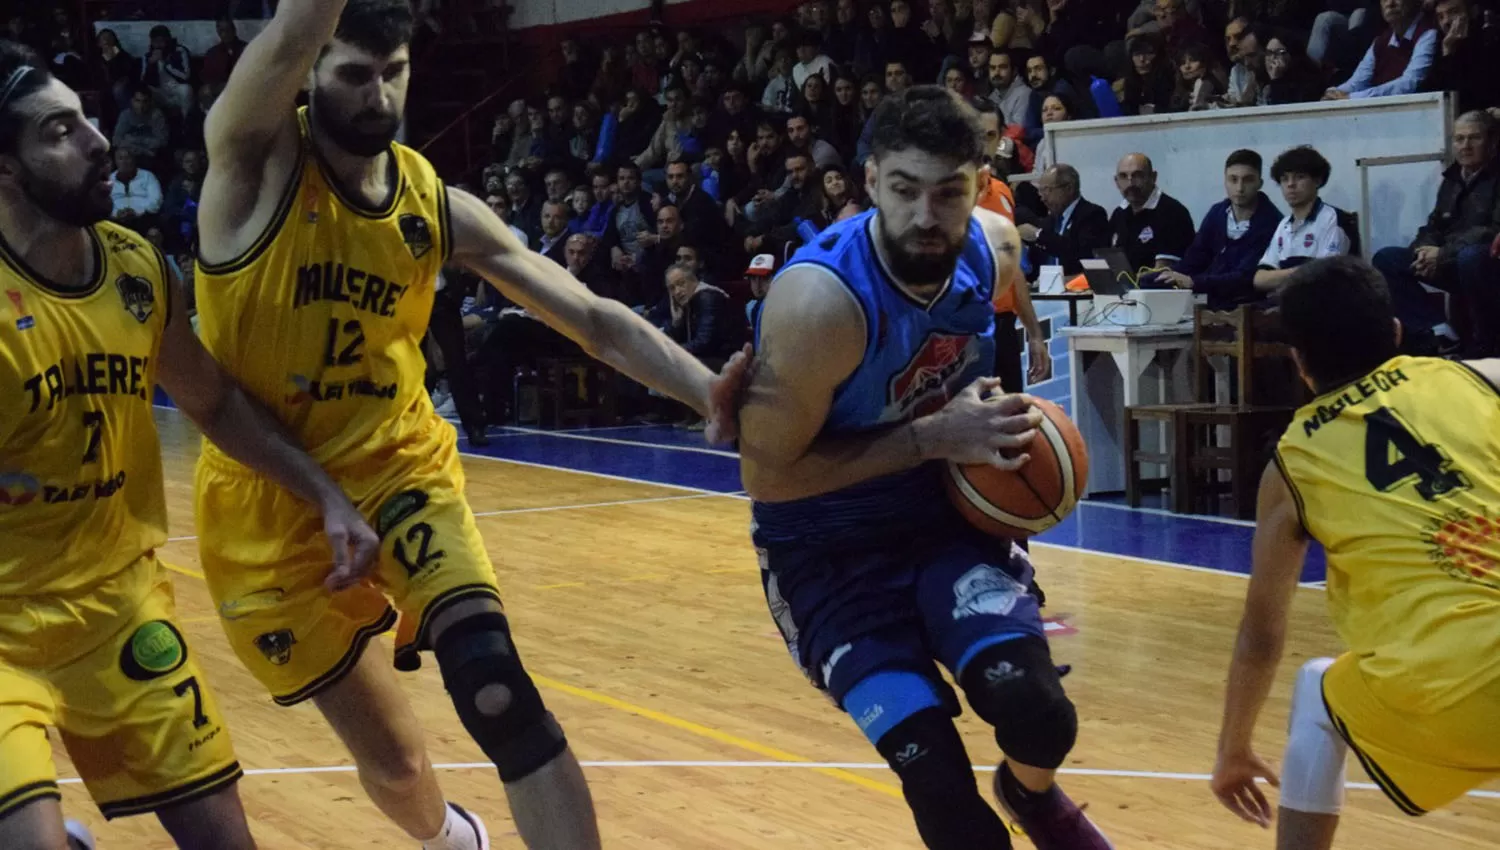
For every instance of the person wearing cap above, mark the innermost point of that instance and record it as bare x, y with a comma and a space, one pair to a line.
980, 50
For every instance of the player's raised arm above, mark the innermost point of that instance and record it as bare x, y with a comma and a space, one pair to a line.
1278, 552
605, 328
236, 423
812, 339
256, 106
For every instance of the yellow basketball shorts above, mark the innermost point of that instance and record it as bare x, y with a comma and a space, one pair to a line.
265, 557
129, 701
1421, 761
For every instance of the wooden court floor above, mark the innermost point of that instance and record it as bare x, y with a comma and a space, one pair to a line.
639, 612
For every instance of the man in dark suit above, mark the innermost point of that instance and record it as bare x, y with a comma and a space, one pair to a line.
553, 245
1074, 228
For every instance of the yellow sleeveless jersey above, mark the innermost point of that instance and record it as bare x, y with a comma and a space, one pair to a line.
323, 318
80, 461
1397, 475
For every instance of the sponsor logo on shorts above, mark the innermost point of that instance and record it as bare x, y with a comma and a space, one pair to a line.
398, 509
153, 651
276, 646
251, 603
306, 390
21, 488
985, 590
908, 754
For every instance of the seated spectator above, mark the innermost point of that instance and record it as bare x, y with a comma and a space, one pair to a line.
755, 62
845, 118
799, 137
611, 79
554, 146
1231, 240
977, 70
1452, 251
527, 139
908, 44
665, 144
1014, 95
841, 196
142, 129
814, 102
554, 231
760, 274
766, 159
584, 143
698, 317
190, 132
580, 201
576, 75
1152, 227
1057, 107
702, 220
1150, 82
773, 225
659, 252
1468, 62
1311, 229
222, 57
601, 206
632, 217
1400, 57
811, 60
640, 61
121, 70
137, 192
638, 117
1021, 26
1073, 229
1245, 44
781, 89
180, 204
1043, 80
1198, 85
1173, 26
956, 80
735, 112
66, 64
897, 78
1075, 34
581, 260
693, 140
526, 206
1004, 144
167, 70
499, 204
1291, 77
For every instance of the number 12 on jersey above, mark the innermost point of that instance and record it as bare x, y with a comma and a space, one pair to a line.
345, 339
1394, 455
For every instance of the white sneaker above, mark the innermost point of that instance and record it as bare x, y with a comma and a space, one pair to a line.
79, 837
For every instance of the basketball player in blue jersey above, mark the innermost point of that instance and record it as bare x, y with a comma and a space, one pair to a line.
872, 349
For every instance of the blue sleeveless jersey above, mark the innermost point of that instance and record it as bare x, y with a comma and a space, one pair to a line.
917, 357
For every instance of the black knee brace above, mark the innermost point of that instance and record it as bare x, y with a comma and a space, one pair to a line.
1015, 688
477, 652
938, 783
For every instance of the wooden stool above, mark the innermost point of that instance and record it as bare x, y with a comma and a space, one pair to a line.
1251, 431
1175, 457
575, 391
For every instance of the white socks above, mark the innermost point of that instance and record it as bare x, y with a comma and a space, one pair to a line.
461, 831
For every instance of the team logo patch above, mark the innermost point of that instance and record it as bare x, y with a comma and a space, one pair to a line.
1307, 241
155, 650
417, 235
24, 320
276, 646
136, 295
985, 590
1147, 234
398, 509
921, 387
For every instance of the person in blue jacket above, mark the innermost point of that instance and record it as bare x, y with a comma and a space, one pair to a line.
1231, 240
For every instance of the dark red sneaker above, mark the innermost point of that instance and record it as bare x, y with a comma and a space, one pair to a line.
1052, 822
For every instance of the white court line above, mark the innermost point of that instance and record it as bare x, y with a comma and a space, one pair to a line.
1224, 520
804, 765
537, 432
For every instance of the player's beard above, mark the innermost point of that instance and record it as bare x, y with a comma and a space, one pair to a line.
348, 135
914, 268
77, 205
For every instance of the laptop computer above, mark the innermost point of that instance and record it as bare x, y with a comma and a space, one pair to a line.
1110, 273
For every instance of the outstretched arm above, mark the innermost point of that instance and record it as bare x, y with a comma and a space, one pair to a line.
236, 423
256, 106
605, 328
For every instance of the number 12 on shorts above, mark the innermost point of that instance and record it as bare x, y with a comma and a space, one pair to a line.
1394, 455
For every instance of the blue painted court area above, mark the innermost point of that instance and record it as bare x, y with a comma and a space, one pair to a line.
665, 455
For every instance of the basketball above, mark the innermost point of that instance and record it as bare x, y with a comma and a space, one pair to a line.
1035, 497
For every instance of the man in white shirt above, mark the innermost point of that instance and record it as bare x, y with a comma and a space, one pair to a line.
810, 60
1311, 230
137, 192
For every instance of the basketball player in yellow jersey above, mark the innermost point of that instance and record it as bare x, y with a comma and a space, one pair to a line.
321, 240
1395, 469
90, 321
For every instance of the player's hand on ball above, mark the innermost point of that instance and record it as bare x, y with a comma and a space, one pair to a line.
354, 545
981, 425
1234, 784
725, 395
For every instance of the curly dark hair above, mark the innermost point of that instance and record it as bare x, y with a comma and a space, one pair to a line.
930, 119
1303, 159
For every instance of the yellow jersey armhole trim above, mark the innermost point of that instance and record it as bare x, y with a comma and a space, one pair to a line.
1291, 487
166, 284
445, 222
1478, 378
272, 229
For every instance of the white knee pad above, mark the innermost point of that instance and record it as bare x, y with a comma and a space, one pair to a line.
1312, 772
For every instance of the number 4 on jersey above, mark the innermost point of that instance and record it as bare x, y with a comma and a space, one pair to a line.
1394, 455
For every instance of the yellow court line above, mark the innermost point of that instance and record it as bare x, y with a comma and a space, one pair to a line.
183, 570
711, 733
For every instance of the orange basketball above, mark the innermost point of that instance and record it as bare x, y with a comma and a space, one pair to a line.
1035, 497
